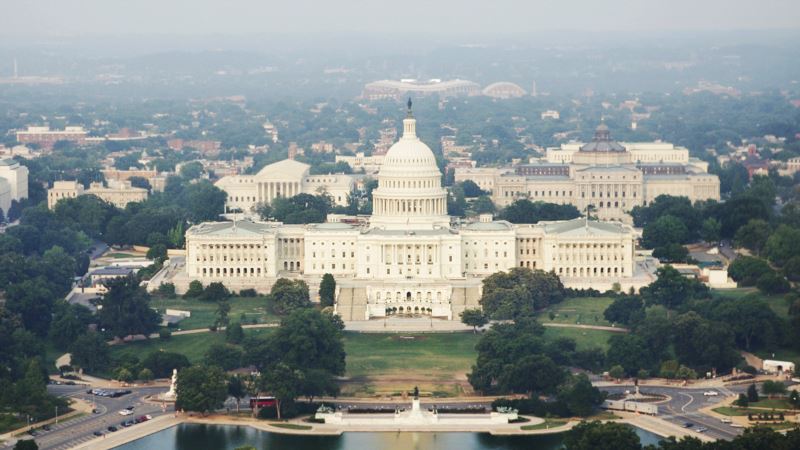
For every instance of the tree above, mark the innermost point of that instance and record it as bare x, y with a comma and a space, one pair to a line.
471, 189
516, 376
617, 372
782, 245
90, 351
167, 290
301, 209
215, 292
753, 235
579, 395
201, 388
202, 201
672, 289
671, 253
69, 322
146, 375
195, 289
327, 290
752, 393
223, 308
162, 363
288, 295
283, 382
26, 444
626, 309
746, 270
752, 321
33, 302
601, 436
225, 356
234, 334
711, 230
192, 170
237, 389
772, 388
520, 292
502, 349
125, 309
156, 252
773, 283
483, 205
664, 231
703, 344
525, 211
631, 352
474, 318
306, 339
124, 375
742, 401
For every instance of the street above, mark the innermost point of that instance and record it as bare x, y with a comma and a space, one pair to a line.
73, 431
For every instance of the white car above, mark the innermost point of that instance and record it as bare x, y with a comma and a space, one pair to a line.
125, 412
711, 393
725, 420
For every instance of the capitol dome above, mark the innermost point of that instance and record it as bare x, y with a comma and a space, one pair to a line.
409, 193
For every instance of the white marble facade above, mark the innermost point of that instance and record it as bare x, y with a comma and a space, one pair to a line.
410, 257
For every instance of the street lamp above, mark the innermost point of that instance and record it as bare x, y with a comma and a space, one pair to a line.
56, 415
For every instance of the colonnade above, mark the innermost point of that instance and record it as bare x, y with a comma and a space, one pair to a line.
427, 206
267, 191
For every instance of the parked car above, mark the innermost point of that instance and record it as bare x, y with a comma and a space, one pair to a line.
688, 425
701, 429
98, 433
112, 428
725, 420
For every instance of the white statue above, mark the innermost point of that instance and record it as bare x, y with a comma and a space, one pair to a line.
171, 395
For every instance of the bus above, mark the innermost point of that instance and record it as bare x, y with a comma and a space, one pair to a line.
262, 401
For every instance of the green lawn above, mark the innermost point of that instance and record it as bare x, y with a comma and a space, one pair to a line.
776, 302
433, 355
585, 339
776, 403
578, 310
548, 423
204, 313
193, 346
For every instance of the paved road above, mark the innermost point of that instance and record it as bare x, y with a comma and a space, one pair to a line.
71, 432
685, 403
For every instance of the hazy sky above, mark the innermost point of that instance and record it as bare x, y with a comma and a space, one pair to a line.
59, 17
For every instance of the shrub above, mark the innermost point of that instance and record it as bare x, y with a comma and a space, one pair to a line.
164, 334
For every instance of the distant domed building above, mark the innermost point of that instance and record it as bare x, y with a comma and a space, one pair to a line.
609, 177
504, 89
410, 258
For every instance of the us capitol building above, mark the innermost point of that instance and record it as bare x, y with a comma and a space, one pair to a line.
411, 258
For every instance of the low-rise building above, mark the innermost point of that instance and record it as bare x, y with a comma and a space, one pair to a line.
118, 193
46, 138
13, 183
285, 178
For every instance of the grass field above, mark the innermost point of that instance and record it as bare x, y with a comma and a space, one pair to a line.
431, 355
203, 313
773, 403
381, 364
194, 346
578, 310
776, 302
548, 423
585, 339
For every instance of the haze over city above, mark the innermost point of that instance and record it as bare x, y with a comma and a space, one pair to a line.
513, 225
